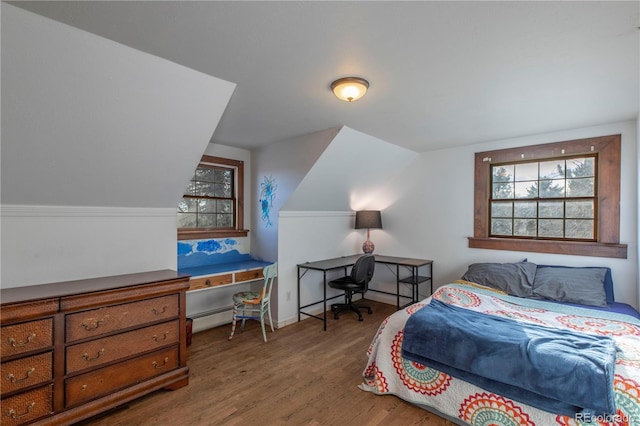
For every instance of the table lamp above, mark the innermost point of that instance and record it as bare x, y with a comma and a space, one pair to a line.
369, 219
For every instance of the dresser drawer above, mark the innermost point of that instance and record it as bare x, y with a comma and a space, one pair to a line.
249, 275
117, 317
26, 372
27, 406
106, 380
97, 352
26, 337
207, 282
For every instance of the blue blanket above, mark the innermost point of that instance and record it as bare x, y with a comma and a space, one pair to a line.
552, 369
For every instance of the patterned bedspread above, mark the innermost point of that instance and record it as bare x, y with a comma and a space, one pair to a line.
388, 373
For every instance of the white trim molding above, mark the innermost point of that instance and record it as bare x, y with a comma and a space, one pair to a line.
83, 211
315, 213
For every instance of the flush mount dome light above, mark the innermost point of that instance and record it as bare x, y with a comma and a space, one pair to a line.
350, 88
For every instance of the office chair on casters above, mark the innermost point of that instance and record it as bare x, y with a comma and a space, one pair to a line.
356, 282
253, 305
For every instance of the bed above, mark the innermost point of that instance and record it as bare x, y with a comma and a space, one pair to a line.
431, 353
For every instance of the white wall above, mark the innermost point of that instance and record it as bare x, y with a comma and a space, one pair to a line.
434, 215
317, 221
287, 162
98, 143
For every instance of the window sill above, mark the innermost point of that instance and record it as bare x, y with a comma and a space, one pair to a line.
554, 247
201, 234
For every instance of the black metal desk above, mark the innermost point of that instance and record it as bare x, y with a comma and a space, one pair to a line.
344, 262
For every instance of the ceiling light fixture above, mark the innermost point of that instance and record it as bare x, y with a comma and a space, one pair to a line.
350, 88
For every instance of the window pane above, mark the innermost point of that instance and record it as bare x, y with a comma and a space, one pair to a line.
502, 191
526, 189
502, 173
187, 220
580, 209
206, 220
581, 167
524, 227
502, 209
225, 206
222, 190
188, 205
578, 228
552, 188
526, 171
581, 187
206, 205
552, 169
525, 209
224, 220
501, 227
204, 175
551, 209
552, 228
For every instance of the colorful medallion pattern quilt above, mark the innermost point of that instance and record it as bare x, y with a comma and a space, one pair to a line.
388, 373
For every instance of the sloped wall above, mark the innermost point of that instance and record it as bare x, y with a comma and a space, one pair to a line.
98, 142
316, 220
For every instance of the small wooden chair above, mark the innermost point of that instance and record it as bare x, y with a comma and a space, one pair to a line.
253, 305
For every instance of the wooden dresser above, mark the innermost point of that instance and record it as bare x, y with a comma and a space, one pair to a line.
74, 349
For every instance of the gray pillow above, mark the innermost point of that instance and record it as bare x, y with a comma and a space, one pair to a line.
584, 286
512, 278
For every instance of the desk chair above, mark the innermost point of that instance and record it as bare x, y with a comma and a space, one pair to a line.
253, 305
356, 282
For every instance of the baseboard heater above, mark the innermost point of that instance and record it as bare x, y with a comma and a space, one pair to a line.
211, 312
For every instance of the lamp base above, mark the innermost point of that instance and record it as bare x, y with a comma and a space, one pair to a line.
368, 247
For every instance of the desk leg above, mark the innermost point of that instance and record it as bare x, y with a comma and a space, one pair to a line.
298, 294
324, 301
397, 287
415, 271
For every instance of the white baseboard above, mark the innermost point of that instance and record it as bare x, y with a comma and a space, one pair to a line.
223, 318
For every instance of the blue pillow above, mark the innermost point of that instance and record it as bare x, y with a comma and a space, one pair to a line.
608, 279
582, 285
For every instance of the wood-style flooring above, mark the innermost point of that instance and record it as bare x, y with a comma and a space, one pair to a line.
301, 376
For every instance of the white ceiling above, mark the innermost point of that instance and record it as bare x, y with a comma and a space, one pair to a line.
442, 73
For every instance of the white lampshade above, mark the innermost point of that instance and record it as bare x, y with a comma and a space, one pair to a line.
350, 88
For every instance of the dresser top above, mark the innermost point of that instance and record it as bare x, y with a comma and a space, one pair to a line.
68, 288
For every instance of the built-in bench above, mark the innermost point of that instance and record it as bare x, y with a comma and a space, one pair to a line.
218, 274
211, 271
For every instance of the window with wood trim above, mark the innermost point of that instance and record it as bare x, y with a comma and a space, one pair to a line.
212, 204
561, 197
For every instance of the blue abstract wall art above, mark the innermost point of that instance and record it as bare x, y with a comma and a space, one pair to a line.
268, 189
193, 253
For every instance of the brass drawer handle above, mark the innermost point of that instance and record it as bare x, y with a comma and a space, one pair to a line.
15, 344
157, 312
91, 324
10, 377
164, 337
12, 413
86, 357
157, 366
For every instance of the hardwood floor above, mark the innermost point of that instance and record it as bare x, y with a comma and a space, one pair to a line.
301, 376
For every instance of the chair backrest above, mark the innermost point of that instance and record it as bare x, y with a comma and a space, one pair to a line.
269, 273
362, 270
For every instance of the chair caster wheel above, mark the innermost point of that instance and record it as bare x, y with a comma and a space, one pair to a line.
360, 319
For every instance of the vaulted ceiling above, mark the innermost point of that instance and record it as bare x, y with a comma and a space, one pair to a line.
442, 73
